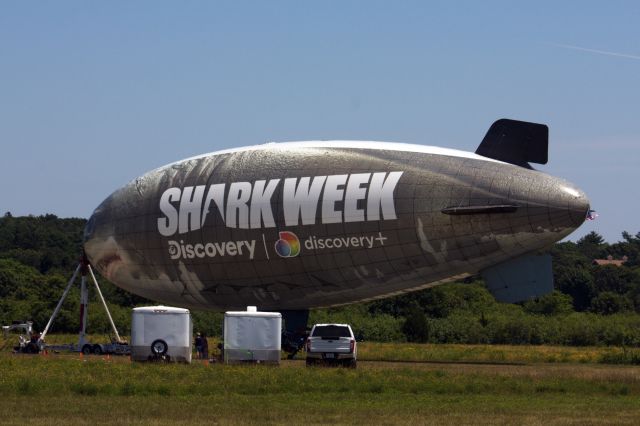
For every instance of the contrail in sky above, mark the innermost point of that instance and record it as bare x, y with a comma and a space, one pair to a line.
601, 52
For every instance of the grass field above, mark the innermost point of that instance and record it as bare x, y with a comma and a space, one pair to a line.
496, 353
411, 352
70, 389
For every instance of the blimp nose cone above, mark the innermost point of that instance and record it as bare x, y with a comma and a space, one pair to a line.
577, 204
547, 208
565, 205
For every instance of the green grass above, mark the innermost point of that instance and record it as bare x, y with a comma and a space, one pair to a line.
93, 376
324, 409
497, 353
413, 352
71, 389
462, 384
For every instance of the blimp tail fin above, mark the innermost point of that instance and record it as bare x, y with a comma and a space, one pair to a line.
516, 142
520, 279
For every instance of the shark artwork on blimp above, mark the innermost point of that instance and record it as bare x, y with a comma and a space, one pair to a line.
299, 225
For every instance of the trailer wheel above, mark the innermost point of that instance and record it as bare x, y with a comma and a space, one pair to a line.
97, 350
87, 349
159, 347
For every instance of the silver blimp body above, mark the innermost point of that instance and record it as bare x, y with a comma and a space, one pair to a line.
292, 226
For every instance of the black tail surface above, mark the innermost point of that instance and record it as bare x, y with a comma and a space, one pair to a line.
516, 142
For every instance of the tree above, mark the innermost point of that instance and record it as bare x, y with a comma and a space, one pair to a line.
576, 282
554, 303
592, 238
607, 303
610, 278
416, 326
592, 245
629, 247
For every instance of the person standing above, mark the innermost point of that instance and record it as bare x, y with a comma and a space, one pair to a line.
205, 347
198, 344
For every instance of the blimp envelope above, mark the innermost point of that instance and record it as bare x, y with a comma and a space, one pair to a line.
252, 336
311, 224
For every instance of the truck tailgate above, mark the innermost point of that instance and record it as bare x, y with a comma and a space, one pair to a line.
341, 344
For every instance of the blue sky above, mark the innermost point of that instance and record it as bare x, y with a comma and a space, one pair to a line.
94, 94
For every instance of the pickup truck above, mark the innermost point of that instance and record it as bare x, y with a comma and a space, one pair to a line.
332, 343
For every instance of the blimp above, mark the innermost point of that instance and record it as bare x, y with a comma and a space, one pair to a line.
300, 225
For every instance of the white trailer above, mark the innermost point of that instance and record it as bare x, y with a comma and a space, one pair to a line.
161, 333
252, 336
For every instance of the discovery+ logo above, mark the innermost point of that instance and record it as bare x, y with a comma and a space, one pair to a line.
288, 245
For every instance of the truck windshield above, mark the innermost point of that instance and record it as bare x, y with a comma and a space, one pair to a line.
331, 331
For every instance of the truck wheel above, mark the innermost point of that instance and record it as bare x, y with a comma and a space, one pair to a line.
87, 349
159, 347
97, 350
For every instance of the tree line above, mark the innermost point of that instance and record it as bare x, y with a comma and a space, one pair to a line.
591, 304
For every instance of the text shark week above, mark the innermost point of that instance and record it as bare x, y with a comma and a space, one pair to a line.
355, 197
